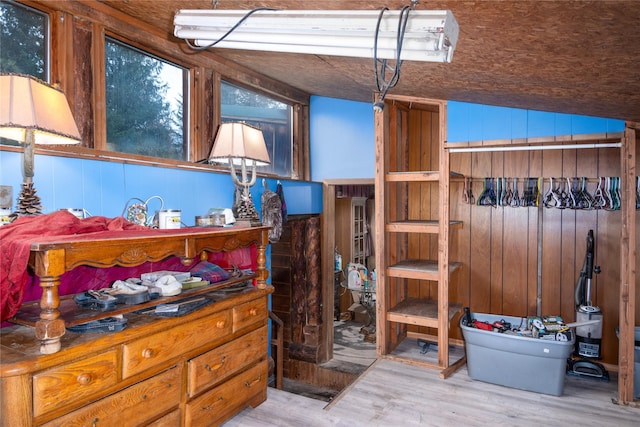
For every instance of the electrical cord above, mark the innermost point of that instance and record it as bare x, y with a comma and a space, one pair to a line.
232, 29
382, 84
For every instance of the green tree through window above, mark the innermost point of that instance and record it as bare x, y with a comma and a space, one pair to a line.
23, 40
144, 104
271, 116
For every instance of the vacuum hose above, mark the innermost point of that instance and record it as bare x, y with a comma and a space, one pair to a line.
583, 286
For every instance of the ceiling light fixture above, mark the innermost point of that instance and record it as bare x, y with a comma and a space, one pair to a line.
429, 35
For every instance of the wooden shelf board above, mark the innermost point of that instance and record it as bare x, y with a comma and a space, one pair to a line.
416, 176
408, 352
72, 315
419, 226
421, 312
418, 269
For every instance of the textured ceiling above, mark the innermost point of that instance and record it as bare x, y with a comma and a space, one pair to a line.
570, 56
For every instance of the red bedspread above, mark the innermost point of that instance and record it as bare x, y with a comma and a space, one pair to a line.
15, 245
17, 284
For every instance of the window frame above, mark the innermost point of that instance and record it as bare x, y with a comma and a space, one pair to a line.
186, 83
205, 70
291, 105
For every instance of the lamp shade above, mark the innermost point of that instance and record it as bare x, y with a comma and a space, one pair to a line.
237, 141
27, 103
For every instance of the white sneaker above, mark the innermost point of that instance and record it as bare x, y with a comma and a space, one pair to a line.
169, 286
129, 293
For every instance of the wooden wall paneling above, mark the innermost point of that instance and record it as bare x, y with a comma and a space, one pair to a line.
399, 211
343, 241
515, 244
459, 243
480, 232
585, 220
281, 279
533, 256
328, 223
569, 235
313, 281
551, 239
496, 243
388, 288
606, 289
81, 87
431, 136
298, 282
418, 195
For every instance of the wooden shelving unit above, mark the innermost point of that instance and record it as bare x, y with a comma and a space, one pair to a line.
412, 206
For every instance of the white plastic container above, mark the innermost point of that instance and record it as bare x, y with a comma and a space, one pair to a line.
169, 218
525, 363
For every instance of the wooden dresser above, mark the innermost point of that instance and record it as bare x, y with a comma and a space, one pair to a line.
195, 370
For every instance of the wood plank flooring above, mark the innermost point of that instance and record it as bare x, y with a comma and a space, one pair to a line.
392, 393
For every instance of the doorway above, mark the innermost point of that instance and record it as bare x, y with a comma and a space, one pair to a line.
348, 228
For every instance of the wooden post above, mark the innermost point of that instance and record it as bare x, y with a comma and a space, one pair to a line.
628, 279
50, 328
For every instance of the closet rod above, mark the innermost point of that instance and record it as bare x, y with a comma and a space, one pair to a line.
532, 148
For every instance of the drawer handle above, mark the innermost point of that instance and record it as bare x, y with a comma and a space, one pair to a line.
220, 324
253, 312
84, 379
148, 353
250, 384
210, 407
216, 367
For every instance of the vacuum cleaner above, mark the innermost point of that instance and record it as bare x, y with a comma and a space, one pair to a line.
589, 336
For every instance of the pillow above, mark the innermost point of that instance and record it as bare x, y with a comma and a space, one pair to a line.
210, 272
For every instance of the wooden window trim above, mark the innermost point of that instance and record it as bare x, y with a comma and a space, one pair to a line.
205, 69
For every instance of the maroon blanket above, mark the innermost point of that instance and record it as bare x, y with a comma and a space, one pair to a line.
18, 285
15, 246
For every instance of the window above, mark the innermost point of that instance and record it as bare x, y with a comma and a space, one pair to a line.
24, 39
145, 103
274, 118
24, 44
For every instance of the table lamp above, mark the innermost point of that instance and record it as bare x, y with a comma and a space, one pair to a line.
240, 144
33, 112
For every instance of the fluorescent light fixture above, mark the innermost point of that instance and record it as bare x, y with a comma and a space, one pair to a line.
430, 35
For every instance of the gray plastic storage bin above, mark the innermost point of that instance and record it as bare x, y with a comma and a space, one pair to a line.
636, 365
514, 361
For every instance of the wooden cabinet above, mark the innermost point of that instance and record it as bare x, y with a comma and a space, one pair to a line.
412, 219
136, 376
193, 370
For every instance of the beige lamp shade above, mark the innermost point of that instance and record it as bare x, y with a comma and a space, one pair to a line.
237, 141
29, 104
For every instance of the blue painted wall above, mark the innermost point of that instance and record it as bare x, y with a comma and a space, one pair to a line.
341, 139
342, 132
103, 188
477, 122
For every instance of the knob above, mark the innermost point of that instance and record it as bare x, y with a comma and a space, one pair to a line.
148, 353
84, 379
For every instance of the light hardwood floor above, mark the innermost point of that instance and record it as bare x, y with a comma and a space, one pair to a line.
394, 394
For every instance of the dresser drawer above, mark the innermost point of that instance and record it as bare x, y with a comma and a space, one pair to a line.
249, 313
74, 382
218, 364
172, 419
218, 404
133, 406
158, 348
